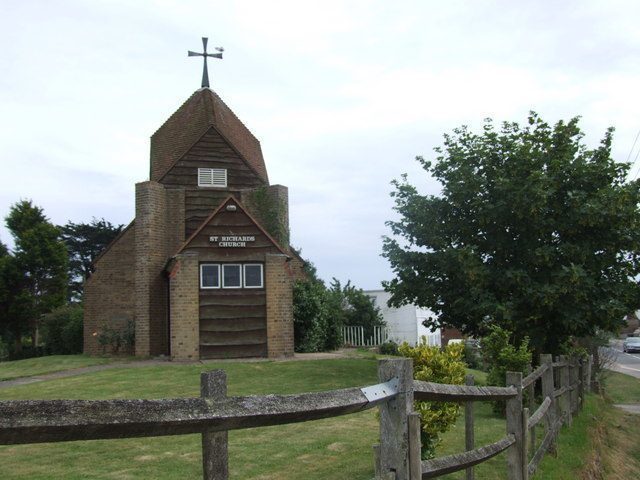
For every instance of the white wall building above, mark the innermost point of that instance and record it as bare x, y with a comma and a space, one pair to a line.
404, 323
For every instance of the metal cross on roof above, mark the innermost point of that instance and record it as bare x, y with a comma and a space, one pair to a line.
205, 72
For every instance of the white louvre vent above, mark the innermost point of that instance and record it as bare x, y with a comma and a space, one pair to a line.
212, 177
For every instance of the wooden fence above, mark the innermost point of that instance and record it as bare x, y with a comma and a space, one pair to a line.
354, 336
396, 457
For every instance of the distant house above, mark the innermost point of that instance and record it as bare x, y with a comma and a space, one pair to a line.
404, 323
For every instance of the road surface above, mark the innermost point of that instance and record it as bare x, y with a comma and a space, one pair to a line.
628, 363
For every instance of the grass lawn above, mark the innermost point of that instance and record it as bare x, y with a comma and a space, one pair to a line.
332, 448
338, 448
622, 388
53, 363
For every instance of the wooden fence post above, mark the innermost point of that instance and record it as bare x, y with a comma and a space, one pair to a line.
531, 394
573, 378
394, 428
547, 391
215, 455
565, 401
515, 457
581, 370
525, 449
415, 447
469, 437
588, 374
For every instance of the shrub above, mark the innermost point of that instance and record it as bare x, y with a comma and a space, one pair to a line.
472, 356
431, 364
4, 350
389, 348
62, 330
118, 340
501, 357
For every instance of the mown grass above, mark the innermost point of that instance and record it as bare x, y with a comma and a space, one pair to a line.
337, 448
621, 388
50, 364
331, 448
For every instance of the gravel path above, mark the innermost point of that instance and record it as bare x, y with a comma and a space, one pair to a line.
343, 353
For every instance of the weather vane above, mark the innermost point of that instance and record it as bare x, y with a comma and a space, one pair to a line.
205, 72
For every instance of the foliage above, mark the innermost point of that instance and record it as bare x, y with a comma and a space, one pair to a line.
431, 364
62, 330
316, 317
84, 242
472, 356
34, 276
358, 309
501, 356
15, 303
117, 340
271, 211
603, 356
320, 312
532, 231
389, 348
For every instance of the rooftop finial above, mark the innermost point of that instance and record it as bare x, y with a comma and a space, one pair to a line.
205, 72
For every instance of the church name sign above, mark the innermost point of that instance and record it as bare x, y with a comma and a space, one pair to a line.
232, 240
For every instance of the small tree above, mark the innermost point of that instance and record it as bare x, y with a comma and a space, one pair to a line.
532, 231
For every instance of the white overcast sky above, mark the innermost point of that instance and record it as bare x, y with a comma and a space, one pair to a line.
342, 95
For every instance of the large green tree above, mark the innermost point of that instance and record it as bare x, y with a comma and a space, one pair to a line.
532, 231
84, 243
35, 275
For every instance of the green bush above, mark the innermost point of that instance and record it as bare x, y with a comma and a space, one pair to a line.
316, 317
120, 340
472, 356
431, 364
389, 348
62, 330
501, 356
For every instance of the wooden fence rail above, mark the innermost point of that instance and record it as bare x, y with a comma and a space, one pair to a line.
397, 456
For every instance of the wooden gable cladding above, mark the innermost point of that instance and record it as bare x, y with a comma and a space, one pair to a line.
211, 151
229, 225
230, 220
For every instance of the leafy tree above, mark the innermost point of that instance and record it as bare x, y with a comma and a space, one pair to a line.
84, 243
358, 309
16, 305
320, 312
317, 314
36, 274
532, 231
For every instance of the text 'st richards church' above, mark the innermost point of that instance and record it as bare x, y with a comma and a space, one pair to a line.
205, 269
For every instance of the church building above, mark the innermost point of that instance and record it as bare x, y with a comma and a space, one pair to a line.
205, 269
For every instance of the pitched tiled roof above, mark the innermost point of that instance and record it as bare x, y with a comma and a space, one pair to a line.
203, 110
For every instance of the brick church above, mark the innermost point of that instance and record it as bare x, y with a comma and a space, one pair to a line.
205, 269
